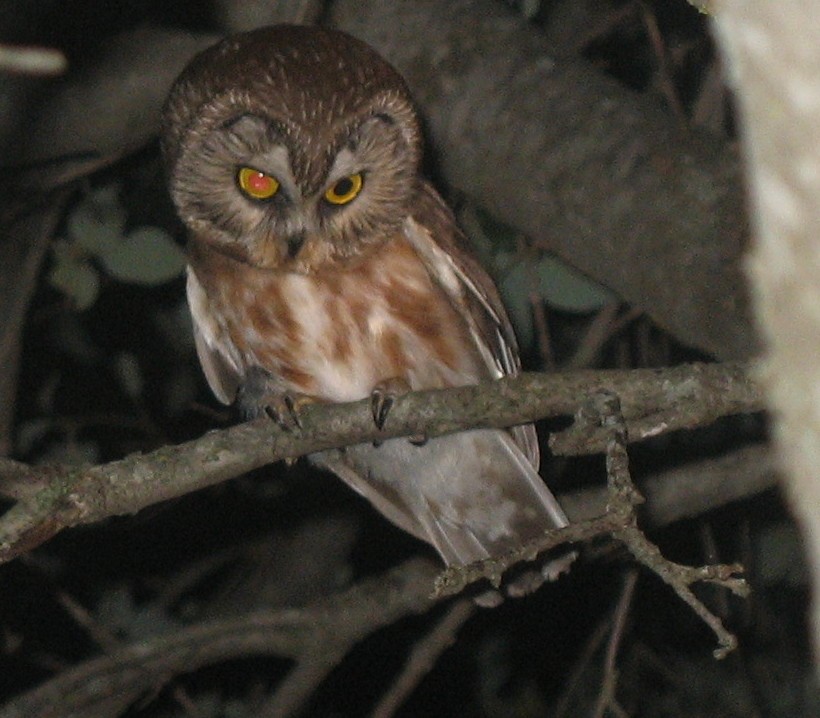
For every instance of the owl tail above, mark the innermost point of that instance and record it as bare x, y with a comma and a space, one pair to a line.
472, 495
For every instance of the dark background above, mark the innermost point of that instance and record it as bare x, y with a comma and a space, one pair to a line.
107, 367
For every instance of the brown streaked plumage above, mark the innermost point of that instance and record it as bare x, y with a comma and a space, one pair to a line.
321, 263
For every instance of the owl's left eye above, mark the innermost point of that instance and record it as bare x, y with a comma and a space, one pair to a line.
345, 190
256, 184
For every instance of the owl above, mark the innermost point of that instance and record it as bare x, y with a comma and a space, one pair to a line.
322, 264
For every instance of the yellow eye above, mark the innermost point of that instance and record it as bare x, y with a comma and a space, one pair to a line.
256, 184
345, 189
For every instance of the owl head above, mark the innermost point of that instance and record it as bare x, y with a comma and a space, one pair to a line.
290, 146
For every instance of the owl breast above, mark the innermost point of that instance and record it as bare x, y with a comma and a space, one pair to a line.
338, 332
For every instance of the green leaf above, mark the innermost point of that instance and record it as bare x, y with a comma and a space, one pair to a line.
148, 255
490, 239
98, 222
73, 276
515, 287
530, 8
130, 374
565, 288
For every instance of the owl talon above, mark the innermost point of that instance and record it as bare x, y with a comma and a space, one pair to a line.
286, 408
380, 407
262, 393
281, 410
383, 397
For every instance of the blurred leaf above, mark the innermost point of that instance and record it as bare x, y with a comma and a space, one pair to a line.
550, 279
779, 556
70, 452
493, 241
73, 276
565, 288
72, 338
98, 222
148, 255
515, 286
129, 373
120, 613
530, 8
180, 390
175, 324
31, 432
520, 277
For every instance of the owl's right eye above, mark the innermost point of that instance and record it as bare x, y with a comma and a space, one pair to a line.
256, 184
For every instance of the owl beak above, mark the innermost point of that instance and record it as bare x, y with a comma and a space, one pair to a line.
294, 243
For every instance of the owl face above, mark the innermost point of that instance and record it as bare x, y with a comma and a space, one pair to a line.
291, 147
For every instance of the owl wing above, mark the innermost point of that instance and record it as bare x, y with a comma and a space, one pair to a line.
224, 376
445, 250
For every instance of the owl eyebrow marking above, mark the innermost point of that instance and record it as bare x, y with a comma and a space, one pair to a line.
384, 117
254, 132
345, 163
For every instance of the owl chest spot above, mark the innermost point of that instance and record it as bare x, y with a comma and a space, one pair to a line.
337, 335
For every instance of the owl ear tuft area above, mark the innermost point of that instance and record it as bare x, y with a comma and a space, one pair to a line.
396, 108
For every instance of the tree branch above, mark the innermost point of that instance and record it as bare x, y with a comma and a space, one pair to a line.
524, 134
24, 238
619, 521
319, 636
593, 171
772, 55
105, 686
74, 496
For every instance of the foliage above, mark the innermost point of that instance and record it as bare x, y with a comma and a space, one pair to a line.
109, 368
97, 241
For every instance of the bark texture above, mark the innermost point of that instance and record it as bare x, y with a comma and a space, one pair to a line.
774, 58
599, 174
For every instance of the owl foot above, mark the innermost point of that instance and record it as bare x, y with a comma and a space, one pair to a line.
383, 397
262, 394
286, 407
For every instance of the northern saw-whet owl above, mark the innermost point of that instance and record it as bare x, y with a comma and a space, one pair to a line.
322, 264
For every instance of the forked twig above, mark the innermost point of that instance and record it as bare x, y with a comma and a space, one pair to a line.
620, 521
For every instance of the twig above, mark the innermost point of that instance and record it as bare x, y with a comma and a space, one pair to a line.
423, 657
624, 497
109, 643
20, 481
603, 326
654, 401
330, 626
667, 85
123, 676
620, 522
707, 7
294, 691
680, 578
26, 229
610, 680
712, 555
98, 633
574, 681
542, 331
688, 405
32, 60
